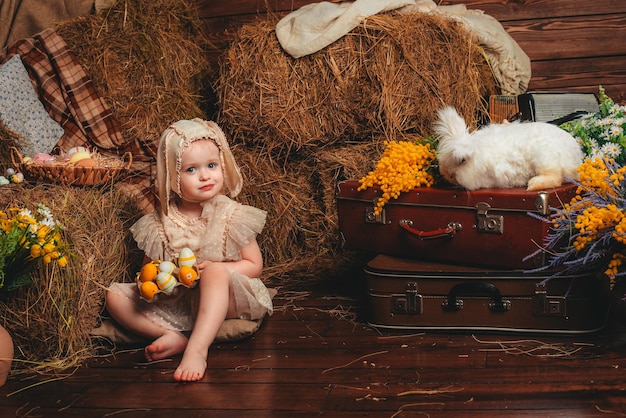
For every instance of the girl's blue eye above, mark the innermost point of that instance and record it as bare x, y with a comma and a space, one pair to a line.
212, 165
191, 169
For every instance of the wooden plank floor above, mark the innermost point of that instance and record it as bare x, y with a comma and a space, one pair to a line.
316, 357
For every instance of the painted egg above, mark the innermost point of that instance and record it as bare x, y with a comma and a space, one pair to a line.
74, 150
148, 272
80, 155
166, 282
167, 267
186, 258
16, 178
42, 158
10, 172
4, 180
187, 275
148, 290
86, 162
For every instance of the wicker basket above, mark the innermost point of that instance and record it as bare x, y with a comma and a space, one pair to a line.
503, 108
64, 173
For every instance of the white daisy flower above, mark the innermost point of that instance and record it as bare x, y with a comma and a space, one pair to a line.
588, 122
610, 150
605, 121
595, 153
46, 216
616, 130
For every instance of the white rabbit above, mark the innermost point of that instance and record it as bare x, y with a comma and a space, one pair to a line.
533, 154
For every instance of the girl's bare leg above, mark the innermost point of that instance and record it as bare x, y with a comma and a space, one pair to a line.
166, 342
217, 303
6, 355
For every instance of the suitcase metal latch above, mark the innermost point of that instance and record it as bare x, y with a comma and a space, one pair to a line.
372, 218
493, 224
544, 305
409, 303
542, 203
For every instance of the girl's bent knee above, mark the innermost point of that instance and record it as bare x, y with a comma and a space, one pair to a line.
114, 301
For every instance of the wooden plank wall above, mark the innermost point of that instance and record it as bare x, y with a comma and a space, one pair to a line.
573, 45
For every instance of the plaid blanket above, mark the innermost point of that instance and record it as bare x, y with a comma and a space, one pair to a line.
71, 99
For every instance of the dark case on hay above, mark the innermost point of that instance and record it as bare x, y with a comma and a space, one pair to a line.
486, 227
419, 295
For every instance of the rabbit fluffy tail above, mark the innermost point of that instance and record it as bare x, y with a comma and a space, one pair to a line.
449, 124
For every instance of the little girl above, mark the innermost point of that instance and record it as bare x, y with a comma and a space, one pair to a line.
194, 163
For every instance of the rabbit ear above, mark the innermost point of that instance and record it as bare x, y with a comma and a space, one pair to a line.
450, 125
458, 149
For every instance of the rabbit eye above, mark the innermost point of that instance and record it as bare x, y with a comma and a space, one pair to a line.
462, 161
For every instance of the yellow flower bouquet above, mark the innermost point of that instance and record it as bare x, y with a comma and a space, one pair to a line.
403, 166
26, 238
593, 224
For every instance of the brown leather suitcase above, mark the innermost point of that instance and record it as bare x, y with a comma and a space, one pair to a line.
420, 295
487, 227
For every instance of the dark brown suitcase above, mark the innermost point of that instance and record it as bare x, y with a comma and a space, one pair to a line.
419, 295
487, 227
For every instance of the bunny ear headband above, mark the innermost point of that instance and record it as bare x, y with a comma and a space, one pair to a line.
174, 140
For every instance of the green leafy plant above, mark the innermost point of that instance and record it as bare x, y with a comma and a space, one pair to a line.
602, 134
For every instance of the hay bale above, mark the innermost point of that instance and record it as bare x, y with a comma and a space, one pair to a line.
386, 78
294, 237
146, 59
50, 321
351, 161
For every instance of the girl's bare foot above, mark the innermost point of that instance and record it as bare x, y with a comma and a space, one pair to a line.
192, 366
168, 344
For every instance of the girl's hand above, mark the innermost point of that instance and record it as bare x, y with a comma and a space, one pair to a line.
251, 263
202, 265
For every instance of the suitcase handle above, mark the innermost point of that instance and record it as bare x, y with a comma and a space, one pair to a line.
448, 231
452, 303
